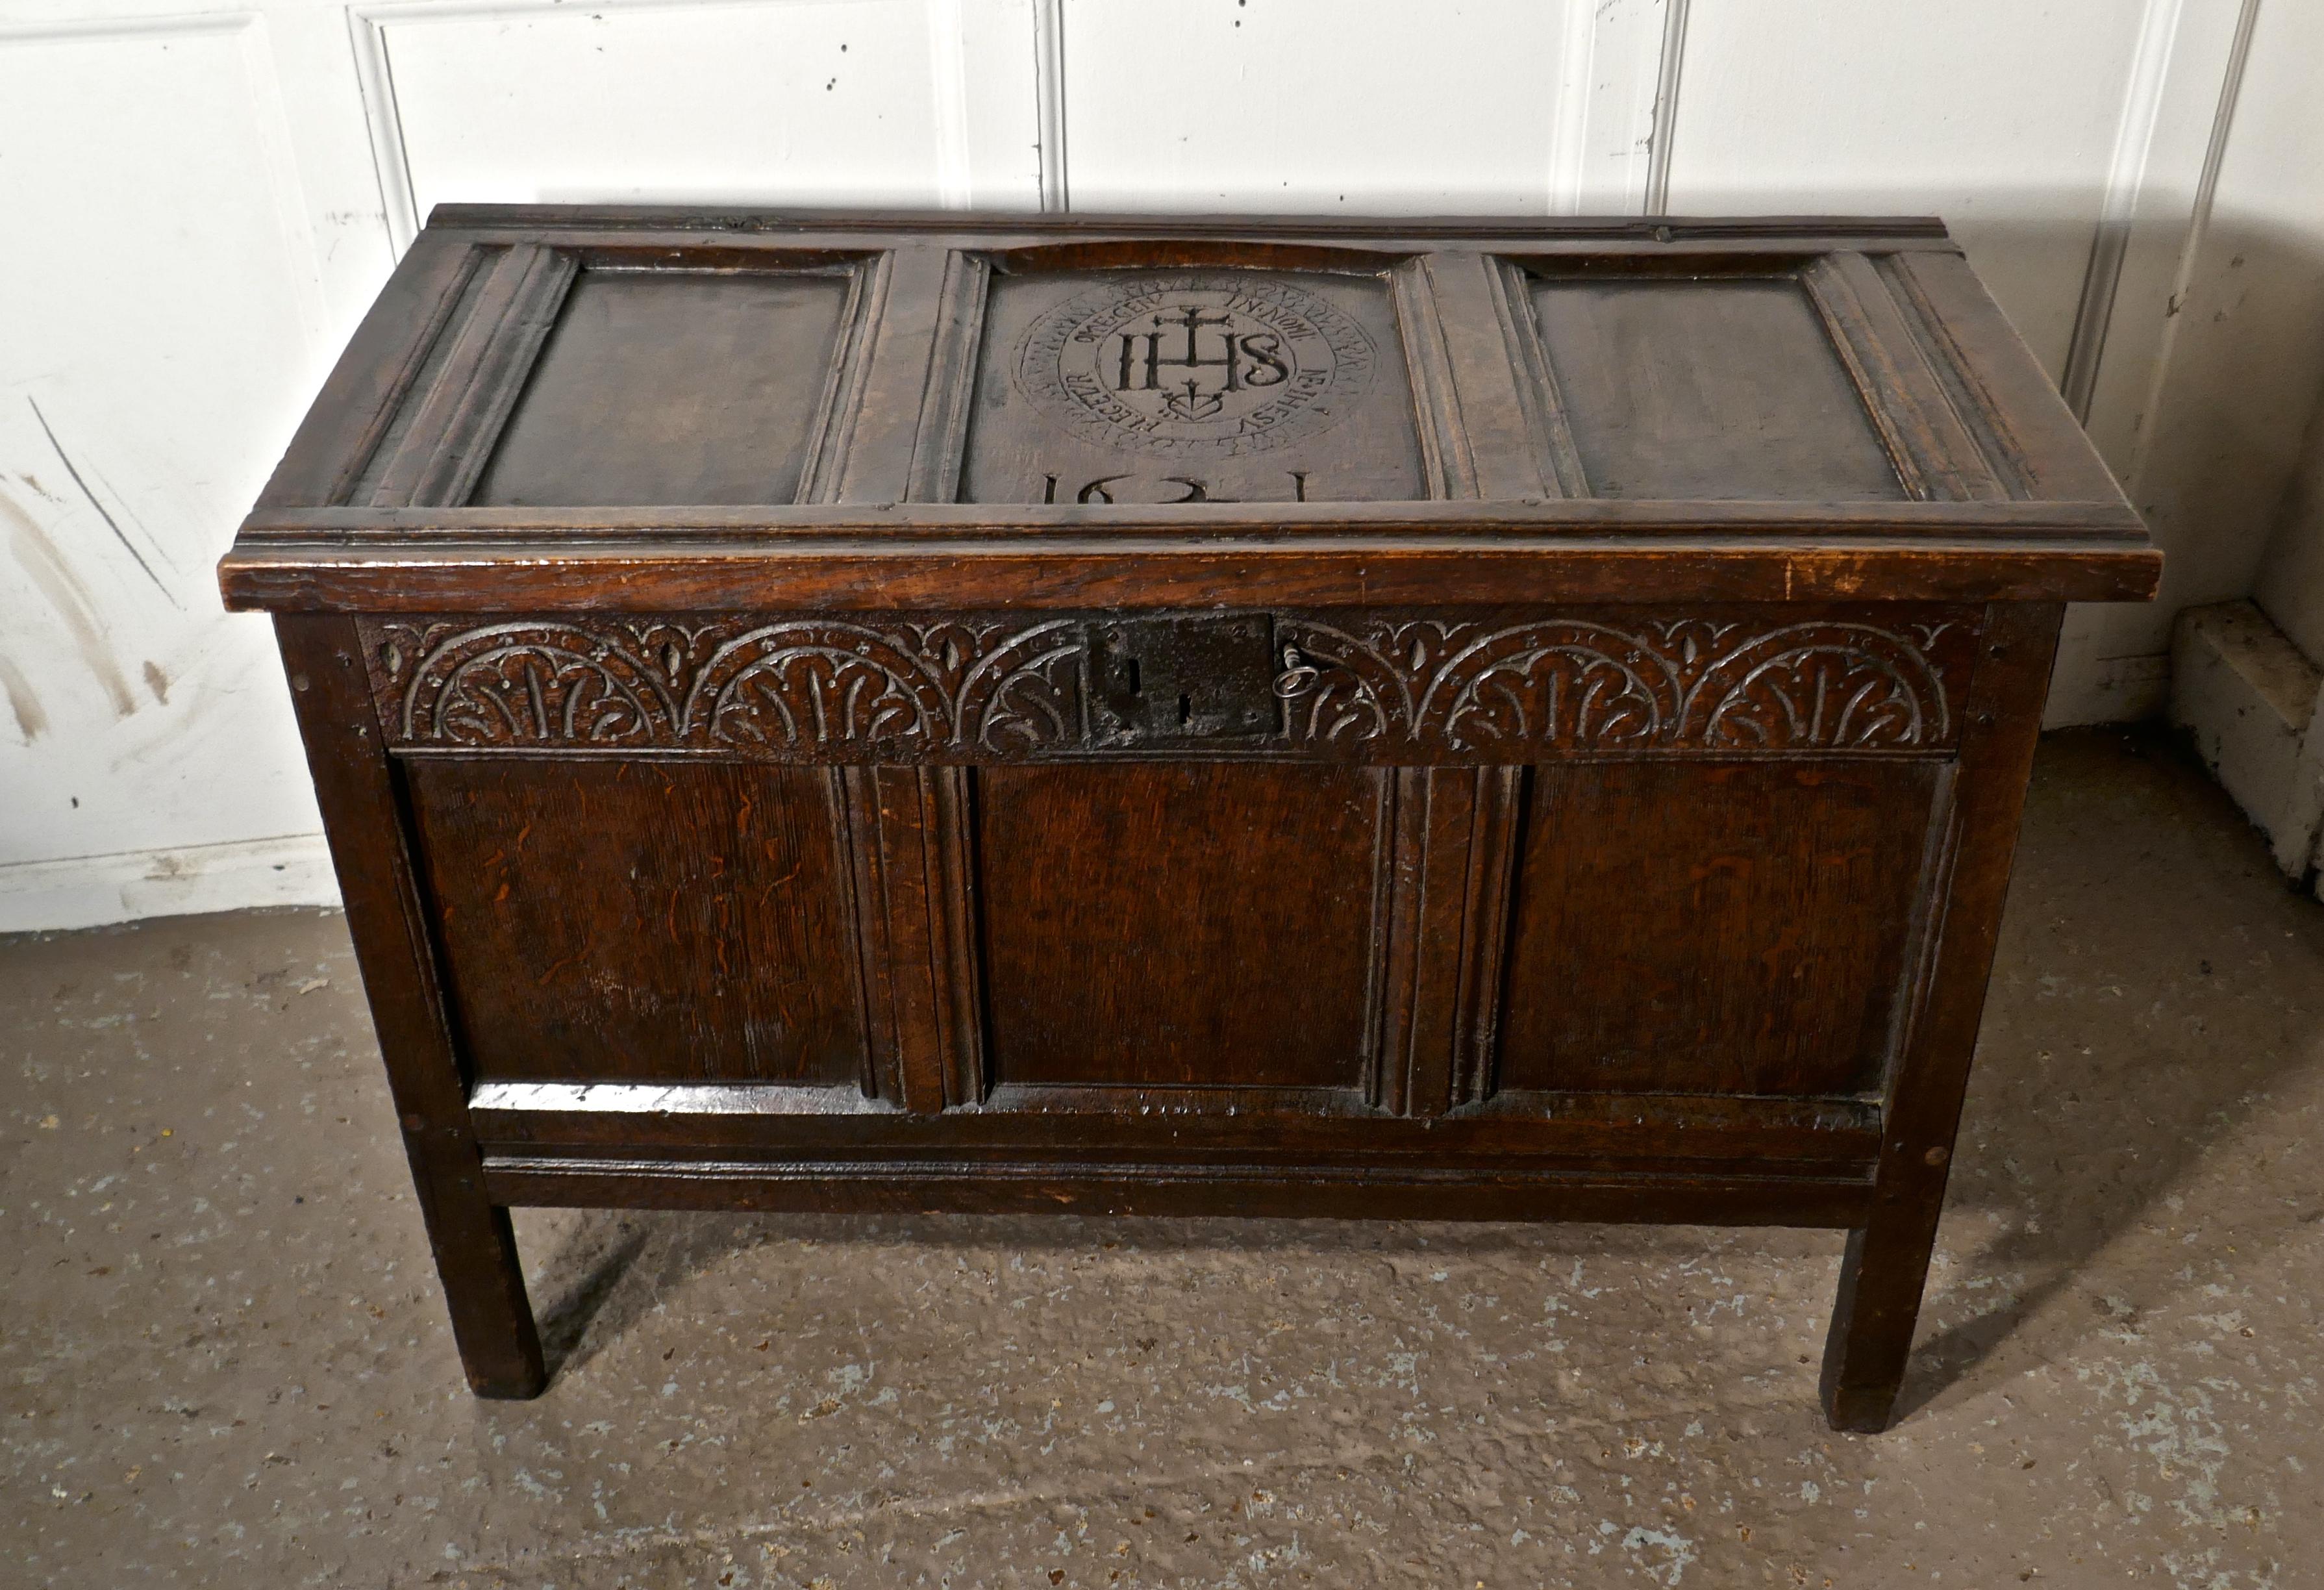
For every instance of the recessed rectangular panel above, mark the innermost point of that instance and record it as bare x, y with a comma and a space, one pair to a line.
642, 921
1210, 384
673, 387
1197, 924
1712, 928
1707, 387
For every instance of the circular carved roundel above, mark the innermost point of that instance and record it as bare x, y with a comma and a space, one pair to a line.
1208, 364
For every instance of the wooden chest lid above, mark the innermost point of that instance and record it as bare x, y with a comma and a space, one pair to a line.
552, 407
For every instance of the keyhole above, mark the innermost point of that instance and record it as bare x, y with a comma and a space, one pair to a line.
1185, 710
1132, 666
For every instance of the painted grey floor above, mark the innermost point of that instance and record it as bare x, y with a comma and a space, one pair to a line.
225, 1362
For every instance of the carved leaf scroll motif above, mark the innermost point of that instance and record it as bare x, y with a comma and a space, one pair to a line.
1689, 683
784, 685
519, 682
990, 688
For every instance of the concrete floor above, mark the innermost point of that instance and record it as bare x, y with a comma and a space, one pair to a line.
225, 1362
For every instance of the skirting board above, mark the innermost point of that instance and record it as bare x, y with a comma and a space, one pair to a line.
2253, 705
94, 891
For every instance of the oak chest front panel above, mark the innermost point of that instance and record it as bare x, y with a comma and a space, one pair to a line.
1329, 860
1478, 720
1234, 935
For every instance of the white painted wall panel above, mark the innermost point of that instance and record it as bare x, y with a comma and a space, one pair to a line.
2268, 226
1999, 115
160, 321
823, 102
1617, 60
2247, 354
2233, 361
1311, 105
2171, 110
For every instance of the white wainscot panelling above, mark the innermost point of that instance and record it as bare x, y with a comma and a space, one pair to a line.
160, 324
1998, 116
2212, 371
846, 103
1313, 105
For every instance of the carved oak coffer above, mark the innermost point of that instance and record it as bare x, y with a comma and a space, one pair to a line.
1519, 721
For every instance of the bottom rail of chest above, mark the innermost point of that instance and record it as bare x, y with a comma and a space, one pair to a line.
1701, 1161
1700, 1195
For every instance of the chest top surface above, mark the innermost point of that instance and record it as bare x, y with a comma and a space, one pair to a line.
555, 407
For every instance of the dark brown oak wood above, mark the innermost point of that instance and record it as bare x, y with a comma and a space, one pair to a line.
1888, 1260
377, 375
2101, 521
1191, 571
1872, 231
618, 409
650, 919
1451, 718
1827, 854
1838, 1136
461, 418
1272, 1187
363, 813
1125, 946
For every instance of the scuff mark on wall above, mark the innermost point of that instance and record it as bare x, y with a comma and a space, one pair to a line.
170, 866
32, 717
32, 548
156, 681
110, 523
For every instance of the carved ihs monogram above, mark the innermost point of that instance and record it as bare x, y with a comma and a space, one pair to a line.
1374, 687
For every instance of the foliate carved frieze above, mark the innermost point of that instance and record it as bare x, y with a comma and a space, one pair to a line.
1639, 682
1373, 686
809, 687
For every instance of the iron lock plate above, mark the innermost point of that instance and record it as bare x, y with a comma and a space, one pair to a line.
1168, 681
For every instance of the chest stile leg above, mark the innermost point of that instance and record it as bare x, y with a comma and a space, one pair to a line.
1886, 1269
371, 847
